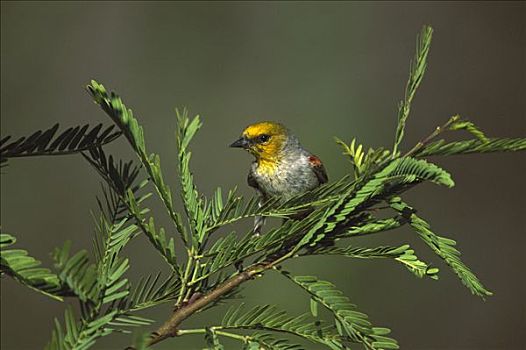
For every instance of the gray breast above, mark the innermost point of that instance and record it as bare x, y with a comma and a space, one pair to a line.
290, 178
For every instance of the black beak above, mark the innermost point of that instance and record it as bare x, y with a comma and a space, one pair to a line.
241, 143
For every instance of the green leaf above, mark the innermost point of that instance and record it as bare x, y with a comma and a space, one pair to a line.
269, 318
418, 68
193, 204
230, 249
157, 237
27, 271
443, 148
140, 341
120, 177
373, 226
443, 247
126, 320
394, 177
61, 340
79, 335
469, 127
112, 238
212, 340
268, 341
403, 254
418, 268
314, 307
77, 273
352, 323
362, 161
124, 119
417, 170
150, 291
237, 209
46, 143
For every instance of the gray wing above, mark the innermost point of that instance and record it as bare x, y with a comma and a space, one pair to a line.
259, 221
251, 180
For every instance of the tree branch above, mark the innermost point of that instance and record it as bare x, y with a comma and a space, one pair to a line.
170, 327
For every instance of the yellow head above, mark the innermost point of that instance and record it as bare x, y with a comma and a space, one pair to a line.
264, 140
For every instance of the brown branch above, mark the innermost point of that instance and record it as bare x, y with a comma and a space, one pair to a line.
170, 327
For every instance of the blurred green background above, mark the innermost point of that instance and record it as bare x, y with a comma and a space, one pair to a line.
324, 69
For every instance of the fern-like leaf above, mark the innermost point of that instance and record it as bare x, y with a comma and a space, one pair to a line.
373, 226
351, 322
459, 124
27, 270
77, 272
72, 140
228, 250
120, 177
443, 148
413, 170
128, 320
418, 68
323, 220
268, 341
403, 254
157, 236
149, 292
128, 124
361, 160
79, 336
443, 247
111, 239
193, 203
394, 177
236, 208
123, 197
268, 317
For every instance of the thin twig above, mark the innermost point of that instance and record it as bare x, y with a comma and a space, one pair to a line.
430, 137
217, 330
170, 327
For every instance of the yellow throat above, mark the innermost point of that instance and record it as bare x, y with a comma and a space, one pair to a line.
269, 152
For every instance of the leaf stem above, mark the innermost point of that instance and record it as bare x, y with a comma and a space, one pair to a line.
430, 137
170, 327
217, 331
185, 277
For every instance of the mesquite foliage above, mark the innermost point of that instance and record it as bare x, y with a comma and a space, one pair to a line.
338, 211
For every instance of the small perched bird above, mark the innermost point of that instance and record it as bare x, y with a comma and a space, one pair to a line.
283, 168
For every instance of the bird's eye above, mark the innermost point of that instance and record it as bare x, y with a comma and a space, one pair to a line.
263, 138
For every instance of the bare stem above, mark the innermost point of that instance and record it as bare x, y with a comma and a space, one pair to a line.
170, 327
435, 133
216, 331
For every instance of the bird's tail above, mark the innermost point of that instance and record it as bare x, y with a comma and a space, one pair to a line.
259, 221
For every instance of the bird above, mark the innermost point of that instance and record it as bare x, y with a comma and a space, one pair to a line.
282, 168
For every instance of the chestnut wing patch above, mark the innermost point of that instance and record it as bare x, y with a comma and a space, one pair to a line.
319, 169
